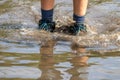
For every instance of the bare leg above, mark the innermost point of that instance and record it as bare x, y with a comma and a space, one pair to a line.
46, 23
47, 4
80, 7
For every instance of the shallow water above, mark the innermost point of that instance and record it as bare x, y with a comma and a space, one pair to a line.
26, 55
103, 23
57, 61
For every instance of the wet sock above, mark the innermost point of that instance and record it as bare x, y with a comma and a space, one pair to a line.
47, 15
79, 19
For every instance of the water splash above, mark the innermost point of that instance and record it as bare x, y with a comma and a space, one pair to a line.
103, 24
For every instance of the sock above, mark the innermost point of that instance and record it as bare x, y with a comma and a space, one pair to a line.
47, 15
79, 19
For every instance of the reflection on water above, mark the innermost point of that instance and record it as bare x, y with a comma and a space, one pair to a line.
47, 62
50, 64
52, 70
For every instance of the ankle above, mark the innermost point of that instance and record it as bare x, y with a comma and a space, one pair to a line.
79, 19
47, 15
46, 21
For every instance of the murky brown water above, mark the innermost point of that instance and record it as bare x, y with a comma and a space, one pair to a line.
28, 54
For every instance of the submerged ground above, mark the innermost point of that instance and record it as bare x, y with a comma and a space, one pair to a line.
28, 54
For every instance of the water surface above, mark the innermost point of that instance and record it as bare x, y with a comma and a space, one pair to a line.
27, 54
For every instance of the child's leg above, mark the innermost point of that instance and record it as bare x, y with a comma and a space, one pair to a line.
47, 4
46, 23
47, 9
80, 7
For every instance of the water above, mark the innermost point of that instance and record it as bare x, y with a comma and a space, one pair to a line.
28, 54
57, 61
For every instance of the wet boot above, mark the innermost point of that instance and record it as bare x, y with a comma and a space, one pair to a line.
46, 25
77, 29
